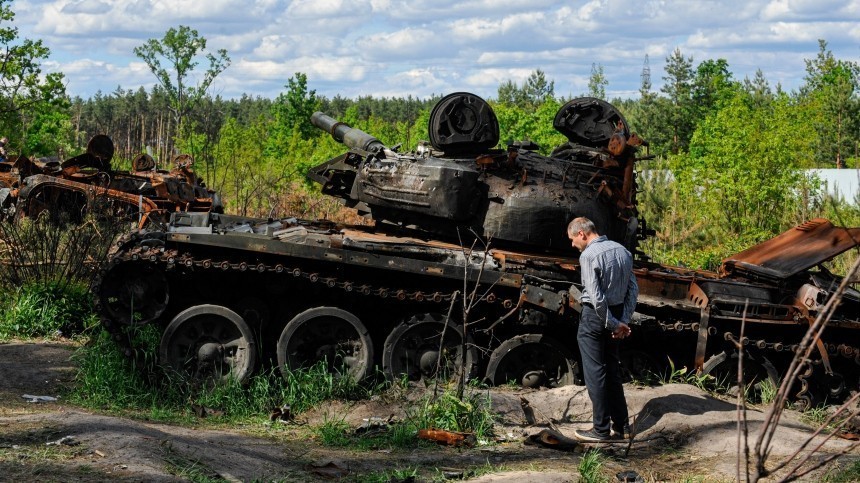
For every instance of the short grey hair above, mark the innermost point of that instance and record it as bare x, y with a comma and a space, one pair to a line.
581, 223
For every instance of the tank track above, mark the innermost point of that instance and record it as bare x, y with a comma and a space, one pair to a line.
132, 251
138, 251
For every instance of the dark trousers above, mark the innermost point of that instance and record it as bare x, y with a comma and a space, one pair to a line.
601, 368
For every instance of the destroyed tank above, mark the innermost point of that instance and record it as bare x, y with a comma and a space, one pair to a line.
466, 235
145, 195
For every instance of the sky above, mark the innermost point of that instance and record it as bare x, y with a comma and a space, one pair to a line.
396, 48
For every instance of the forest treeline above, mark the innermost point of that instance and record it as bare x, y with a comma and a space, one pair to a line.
728, 170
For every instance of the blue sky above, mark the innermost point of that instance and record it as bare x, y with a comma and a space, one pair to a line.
423, 47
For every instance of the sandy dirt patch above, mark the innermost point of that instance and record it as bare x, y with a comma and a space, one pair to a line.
681, 432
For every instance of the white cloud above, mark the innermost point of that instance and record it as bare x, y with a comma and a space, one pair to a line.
382, 47
327, 8
85, 6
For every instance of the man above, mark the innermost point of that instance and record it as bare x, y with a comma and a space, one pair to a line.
3, 142
608, 301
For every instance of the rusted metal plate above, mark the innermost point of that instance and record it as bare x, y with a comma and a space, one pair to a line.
794, 251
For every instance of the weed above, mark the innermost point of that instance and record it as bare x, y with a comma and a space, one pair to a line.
46, 310
767, 390
333, 432
108, 379
843, 475
471, 414
590, 467
674, 376
815, 416
406, 474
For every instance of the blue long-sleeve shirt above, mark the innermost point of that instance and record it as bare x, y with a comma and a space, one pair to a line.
608, 279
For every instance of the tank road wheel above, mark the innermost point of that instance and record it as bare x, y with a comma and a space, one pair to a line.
133, 293
326, 334
758, 371
532, 360
209, 343
413, 349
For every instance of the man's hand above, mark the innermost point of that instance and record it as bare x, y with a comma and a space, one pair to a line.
622, 331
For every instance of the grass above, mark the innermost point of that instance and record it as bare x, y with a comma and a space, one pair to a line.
334, 432
846, 474
445, 411
472, 414
415, 473
186, 468
386, 476
107, 379
45, 310
590, 466
815, 416
767, 390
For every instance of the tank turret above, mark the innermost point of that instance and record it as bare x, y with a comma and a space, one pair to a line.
463, 184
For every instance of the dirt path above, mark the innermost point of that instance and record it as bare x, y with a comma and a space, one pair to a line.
682, 433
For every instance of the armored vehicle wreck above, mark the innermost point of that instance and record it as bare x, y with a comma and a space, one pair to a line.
461, 222
31, 186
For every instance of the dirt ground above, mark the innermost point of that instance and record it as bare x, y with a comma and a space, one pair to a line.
682, 434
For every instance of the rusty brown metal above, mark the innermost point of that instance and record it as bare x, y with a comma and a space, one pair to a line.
794, 251
151, 193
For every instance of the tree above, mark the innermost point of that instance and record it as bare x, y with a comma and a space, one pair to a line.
292, 110
537, 88
597, 82
27, 95
510, 93
743, 166
758, 89
180, 48
679, 87
534, 91
712, 86
831, 85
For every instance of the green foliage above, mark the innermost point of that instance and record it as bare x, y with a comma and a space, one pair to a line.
597, 82
846, 474
45, 310
445, 411
830, 87
387, 476
590, 467
815, 416
179, 48
292, 111
767, 390
108, 379
678, 86
333, 432
534, 91
32, 104
472, 414
742, 168
519, 123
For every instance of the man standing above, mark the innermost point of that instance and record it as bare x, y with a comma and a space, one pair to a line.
608, 301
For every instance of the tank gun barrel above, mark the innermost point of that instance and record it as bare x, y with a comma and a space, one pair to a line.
343, 133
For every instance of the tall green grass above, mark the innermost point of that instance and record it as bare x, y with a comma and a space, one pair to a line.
108, 379
38, 310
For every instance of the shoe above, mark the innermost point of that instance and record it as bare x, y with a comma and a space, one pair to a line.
623, 434
591, 436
